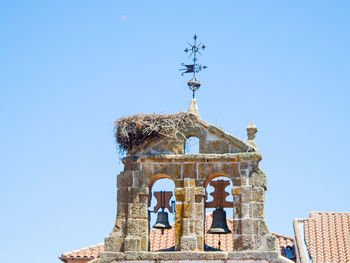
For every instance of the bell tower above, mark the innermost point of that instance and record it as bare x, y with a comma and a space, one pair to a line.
155, 149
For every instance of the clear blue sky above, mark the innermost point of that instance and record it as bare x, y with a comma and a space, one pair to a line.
68, 69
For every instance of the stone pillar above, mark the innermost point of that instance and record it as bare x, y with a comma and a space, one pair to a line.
115, 242
189, 222
131, 228
199, 214
237, 215
250, 230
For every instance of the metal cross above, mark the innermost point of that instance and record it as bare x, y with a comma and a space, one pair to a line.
194, 68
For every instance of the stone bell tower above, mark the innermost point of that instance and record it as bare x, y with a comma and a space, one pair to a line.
154, 146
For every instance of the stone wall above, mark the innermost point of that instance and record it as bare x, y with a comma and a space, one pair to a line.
191, 173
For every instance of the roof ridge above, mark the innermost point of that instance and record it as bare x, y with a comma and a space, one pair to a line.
322, 212
84, 248
281, 235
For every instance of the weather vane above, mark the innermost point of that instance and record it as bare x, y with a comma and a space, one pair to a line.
194, 68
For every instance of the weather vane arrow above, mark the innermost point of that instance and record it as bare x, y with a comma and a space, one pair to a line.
194, 68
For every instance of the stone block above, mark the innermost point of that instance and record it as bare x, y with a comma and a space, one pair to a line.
245, 211
237, 226
179, 183
143, 226
263, 228
114, 244
122, 210
219, 146
136, 179
189, 243
179, 194
200, 242
258, 242
123, 195
174, 171
247, 242
189, 170
258, 180
229, 169
132, 227
144, 243
200, 190
138, 211
131, 165
135, 192
188, 210
237, 242
188, 225
132, 243
188, 182
236, 180
246, 194
199, 211
171, 169
271, 242
124, 179
206, 169
249, 227
199, 198
144, 198
257, 210
178, 232
237, 211
258, 194
199, 228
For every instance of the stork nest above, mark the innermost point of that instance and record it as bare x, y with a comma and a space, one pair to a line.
133, 131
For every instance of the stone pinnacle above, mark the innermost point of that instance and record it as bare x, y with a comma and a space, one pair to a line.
251, 131
193, 108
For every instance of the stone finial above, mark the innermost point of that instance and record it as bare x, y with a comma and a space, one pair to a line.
193, 108
251, 131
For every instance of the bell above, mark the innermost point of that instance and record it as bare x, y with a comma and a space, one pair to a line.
219, 225
162, 221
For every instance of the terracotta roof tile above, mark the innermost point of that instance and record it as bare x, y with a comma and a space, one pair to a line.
89, 252
327, 236
284, 241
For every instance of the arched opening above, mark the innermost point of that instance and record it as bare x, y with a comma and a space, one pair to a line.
219, 242
191, 145
161, 239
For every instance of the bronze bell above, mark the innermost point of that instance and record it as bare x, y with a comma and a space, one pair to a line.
219, 224
162, 221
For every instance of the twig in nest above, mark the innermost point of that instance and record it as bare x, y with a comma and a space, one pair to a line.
134, 130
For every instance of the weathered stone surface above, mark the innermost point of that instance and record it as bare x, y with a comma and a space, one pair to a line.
132, 243
189, 170
114, 243
124, 179
271, 242
123, 195
220, 155
189, 242
246, 194
188, 257
263, 228
258, 194
257, 210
